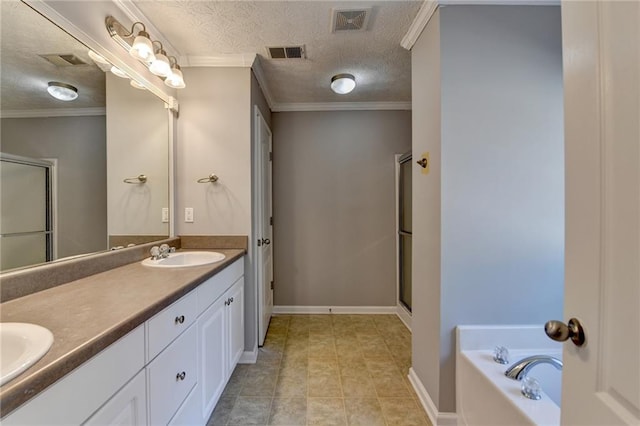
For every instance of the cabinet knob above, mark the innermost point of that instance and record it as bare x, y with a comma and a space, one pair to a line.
231, 300
180, 319
181, 376
226, 302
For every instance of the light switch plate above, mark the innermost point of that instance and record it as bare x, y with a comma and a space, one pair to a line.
188, 214
165, 215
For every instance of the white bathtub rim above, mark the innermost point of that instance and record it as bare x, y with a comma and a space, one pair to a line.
543, 412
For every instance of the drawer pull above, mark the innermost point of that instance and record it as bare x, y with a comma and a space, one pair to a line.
181, 376
231, 300
226, 302
180, 319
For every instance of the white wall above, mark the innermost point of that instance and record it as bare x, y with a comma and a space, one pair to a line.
334, 206
502, 171
137, 143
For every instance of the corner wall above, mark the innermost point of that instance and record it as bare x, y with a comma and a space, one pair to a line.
501, 247
334, 206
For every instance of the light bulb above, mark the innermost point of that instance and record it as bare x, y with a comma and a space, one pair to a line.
137, 85
142, 48
175, 80
160, 66
117, 71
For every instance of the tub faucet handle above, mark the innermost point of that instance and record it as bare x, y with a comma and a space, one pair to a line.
501, 355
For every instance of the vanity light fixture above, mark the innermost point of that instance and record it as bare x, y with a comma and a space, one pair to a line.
98, 58
150, 52
160, 65
117, 71
175, 79
62, 91
343, 83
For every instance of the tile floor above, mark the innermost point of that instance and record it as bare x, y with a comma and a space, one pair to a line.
325, 370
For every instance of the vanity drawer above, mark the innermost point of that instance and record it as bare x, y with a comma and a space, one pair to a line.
168, 324
171, 376
213, 288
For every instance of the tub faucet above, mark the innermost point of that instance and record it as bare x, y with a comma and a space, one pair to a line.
520, 369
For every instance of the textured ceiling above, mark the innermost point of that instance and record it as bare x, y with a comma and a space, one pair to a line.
218, 28
24, 75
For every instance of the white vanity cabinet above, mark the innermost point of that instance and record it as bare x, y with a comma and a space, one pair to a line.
170, 370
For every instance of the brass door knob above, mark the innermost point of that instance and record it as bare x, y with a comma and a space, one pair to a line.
561, 332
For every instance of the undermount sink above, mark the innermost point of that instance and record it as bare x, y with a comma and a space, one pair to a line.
21, 346
185, 259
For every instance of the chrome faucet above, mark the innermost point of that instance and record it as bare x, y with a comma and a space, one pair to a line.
520, 369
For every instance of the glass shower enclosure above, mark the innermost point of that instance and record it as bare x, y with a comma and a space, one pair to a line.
404, 229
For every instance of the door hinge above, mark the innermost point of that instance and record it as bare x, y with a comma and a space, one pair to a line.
271, 285
271, 221
259, 242
271, 156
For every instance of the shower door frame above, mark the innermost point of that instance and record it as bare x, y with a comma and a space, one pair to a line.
403, 312
50, 222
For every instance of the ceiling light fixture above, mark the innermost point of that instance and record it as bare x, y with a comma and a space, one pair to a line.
343, 83
150, 52
62, 91
98, 58
175, 79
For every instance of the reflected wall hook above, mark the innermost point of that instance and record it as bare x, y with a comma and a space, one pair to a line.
423, 162
136, 180
211, 178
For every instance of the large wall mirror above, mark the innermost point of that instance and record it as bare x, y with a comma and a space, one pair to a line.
76, 176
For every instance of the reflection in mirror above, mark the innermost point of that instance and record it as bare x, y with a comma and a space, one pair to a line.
82, 204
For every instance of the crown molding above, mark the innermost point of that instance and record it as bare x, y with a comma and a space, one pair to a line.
342, 106
421, 20
53, 112
235, 60
429, 7
262, 81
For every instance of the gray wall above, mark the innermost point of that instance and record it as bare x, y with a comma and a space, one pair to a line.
334, 206
79, 144
502, 178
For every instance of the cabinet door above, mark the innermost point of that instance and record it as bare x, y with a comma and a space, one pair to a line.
127, 407
212, 346
236, 323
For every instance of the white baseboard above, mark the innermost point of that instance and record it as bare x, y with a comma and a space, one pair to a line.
437, 418
249, 357
404, 315
334, 310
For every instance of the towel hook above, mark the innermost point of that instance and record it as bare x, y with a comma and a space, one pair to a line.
135, 180
211, 178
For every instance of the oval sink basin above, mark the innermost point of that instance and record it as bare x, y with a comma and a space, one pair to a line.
184, 259
21, 346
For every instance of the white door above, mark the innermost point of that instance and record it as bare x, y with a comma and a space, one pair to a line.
601, 42
264, 256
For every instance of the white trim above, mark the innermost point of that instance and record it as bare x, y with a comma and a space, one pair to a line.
429, 7
334, 309
437, 418
404, 315
262, 81
232, 60
249, 357
340, 106
53, 112
421, 20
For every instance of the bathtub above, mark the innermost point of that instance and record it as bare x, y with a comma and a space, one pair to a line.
485, 396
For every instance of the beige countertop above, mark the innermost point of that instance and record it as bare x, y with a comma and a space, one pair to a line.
87, 315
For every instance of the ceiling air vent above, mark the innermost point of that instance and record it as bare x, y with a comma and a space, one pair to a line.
288, 52
64, 60
350, 19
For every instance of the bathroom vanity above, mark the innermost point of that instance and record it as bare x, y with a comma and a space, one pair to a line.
132, 345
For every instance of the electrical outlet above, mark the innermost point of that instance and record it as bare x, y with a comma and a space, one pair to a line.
165, 215
188, 214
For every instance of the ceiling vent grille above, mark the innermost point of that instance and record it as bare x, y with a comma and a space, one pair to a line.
64, 60
287, 52
350, 19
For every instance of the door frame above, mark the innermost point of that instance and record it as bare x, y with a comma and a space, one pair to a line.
257, 231
403, 313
